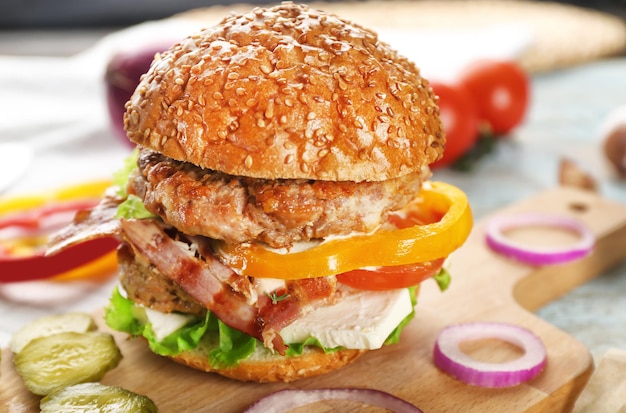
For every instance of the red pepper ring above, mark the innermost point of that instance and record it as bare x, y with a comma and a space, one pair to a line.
40, 266
31, 218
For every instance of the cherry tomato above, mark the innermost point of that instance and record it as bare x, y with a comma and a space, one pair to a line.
460, 121
387, 278
500, 91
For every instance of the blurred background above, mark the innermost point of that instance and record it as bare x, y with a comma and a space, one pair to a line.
62, 14
63, 27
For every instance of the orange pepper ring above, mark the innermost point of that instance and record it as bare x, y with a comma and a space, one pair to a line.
383, 248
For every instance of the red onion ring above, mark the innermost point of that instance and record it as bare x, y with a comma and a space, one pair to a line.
538, 255
285, 400
451, 360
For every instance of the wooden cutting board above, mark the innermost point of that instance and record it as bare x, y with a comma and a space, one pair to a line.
485, 287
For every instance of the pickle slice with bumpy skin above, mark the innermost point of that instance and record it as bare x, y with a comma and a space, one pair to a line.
96, 398
51, 324
52, 362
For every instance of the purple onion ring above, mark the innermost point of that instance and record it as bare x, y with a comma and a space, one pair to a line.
538, 255
285, 400
453, 361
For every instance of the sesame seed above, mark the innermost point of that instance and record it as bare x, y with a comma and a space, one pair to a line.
283, 119
260, 123
218, 96
251, 102
240, 91
269, 111
134, 117
248, 161
234, 125
310, 116
289, 159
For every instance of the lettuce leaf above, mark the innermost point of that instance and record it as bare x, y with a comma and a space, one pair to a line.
443, 279
120, 177
133, 207
120, 316
232, 345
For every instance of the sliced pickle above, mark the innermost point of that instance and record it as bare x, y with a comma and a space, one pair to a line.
96, 398
51, 324
52, 362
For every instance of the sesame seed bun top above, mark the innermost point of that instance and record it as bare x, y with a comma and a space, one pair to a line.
288, 92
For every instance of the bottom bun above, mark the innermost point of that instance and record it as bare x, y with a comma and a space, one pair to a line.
263, 366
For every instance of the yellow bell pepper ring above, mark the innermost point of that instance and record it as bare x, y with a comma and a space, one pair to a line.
418, 243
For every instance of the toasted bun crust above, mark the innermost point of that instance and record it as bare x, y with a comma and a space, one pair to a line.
264, 366
288, 92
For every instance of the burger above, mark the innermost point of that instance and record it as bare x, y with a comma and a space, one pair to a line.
276, 218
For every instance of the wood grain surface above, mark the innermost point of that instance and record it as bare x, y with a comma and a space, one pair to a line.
485, 287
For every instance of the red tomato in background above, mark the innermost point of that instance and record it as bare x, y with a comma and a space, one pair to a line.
460, 121
501, 92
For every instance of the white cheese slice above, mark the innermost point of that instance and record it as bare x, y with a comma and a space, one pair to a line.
362, 320
163, 324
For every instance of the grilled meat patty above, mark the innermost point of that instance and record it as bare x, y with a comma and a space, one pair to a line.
278, 212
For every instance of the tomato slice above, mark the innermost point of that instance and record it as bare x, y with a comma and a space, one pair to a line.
396, 276
387, 278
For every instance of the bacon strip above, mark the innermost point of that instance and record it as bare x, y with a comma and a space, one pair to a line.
206, 280
235, 281
98, 222
200, 279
